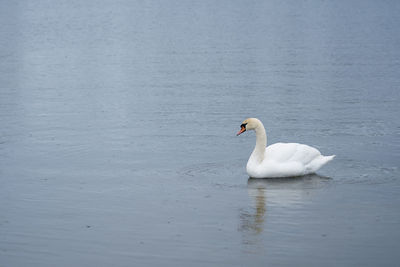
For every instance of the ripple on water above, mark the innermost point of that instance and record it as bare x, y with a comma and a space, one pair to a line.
233, 174
359, 173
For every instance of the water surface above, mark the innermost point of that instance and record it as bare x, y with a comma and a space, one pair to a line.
118, 122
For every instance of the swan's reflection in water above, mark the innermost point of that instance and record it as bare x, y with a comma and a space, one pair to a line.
276, 193
254, 222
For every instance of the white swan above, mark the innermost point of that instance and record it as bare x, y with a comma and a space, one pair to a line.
280, 159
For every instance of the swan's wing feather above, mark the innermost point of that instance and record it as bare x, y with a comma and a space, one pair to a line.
288, 152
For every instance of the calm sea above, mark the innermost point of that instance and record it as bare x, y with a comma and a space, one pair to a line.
118, 122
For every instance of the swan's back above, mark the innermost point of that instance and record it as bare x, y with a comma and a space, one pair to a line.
288, 152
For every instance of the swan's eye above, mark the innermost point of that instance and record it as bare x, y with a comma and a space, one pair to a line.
243, 125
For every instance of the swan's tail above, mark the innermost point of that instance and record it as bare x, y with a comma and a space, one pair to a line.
329, 158
318, 163
325, 159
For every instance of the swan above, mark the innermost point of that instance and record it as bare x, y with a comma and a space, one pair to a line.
280, 159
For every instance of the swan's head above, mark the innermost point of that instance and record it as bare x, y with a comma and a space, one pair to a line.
249, 124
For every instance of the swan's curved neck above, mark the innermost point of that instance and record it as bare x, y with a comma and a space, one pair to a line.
261, 143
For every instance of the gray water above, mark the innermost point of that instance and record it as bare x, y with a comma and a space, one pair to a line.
118, 122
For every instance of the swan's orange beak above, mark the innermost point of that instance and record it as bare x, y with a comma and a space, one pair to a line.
242, 130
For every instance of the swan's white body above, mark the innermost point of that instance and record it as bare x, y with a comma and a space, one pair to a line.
280, 159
